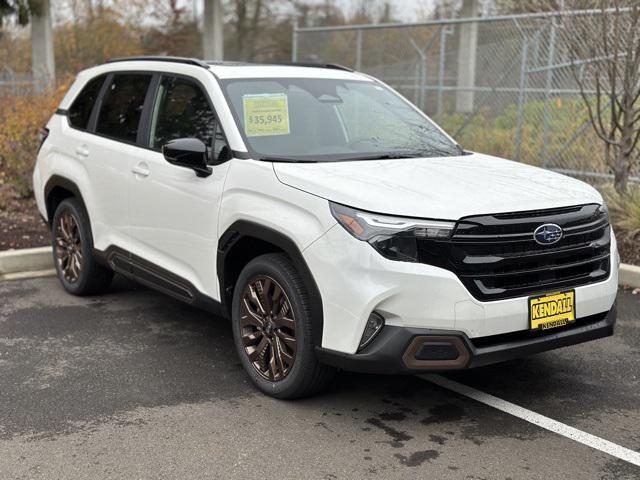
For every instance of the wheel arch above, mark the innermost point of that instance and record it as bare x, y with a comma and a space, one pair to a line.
56, 190
244, 241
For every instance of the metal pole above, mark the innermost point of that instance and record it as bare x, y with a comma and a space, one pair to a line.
359, 50
521, 97
416, 84
547, 94
212, 31
467, 55
443, 42
42, 56
423, 73
423, 82
294, 41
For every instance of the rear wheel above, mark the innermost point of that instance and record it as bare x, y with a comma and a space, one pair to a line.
272, 329
72, 243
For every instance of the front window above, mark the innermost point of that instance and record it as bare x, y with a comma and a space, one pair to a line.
182, 110
302, 119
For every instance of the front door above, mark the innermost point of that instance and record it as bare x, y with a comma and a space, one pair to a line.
174, 213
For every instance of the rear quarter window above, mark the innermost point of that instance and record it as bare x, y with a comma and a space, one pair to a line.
82, 106
122, 106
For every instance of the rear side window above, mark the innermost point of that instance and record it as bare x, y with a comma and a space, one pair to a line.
122, 106
80, 111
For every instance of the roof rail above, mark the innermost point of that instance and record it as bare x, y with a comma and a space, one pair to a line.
186, 60
204, 64
333, 66
279, 64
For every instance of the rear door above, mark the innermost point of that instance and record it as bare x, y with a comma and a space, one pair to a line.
110, 152
174, 213
77, 146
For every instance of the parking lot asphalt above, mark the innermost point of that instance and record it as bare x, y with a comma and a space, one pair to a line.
135, 385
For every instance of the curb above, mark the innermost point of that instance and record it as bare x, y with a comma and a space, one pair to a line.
26, 263
38, 262
629, 275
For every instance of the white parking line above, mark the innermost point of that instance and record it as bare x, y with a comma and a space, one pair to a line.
592, 441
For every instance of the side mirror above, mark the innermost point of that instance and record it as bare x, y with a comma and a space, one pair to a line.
188, 153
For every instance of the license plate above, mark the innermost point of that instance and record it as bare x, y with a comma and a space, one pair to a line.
552, 310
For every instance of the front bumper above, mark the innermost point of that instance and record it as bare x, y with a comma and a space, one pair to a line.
399, 350
355, 280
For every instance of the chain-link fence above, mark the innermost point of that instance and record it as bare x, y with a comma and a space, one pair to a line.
16, 84
500, 85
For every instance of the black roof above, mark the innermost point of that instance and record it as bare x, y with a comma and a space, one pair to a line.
207, 64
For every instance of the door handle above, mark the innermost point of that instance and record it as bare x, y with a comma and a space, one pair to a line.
141, 170
82, 151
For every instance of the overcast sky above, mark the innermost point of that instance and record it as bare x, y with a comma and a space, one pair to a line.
405, 10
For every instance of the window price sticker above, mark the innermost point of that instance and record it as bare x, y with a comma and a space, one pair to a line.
266, 115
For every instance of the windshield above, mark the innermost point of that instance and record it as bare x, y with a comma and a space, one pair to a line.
303, 119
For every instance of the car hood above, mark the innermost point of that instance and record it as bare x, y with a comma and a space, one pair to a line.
440, 188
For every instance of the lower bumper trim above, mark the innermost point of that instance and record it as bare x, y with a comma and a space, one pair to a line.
395, 349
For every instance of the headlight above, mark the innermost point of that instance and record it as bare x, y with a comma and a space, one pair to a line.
603, 208
395, 238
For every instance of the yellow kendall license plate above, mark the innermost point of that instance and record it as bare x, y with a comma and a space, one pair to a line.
551, 311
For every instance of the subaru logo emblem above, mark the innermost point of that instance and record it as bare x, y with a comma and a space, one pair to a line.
547, 234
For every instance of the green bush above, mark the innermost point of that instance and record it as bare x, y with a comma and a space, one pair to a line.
496, 133
624, 211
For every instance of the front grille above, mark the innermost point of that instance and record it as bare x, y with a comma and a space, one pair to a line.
496, 256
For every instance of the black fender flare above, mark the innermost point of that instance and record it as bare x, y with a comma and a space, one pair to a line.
242, 229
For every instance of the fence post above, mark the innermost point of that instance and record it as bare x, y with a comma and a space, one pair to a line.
294, 41
423, 74
521, 96
416, 84
443, 42
467, 54
359, 50
547, 93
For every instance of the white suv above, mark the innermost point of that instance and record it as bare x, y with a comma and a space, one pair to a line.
326, 216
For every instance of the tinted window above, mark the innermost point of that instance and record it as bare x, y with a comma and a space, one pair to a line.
122, 106
181, 110
80, 111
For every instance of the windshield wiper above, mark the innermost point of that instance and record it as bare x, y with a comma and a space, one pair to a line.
383, 156
286, 159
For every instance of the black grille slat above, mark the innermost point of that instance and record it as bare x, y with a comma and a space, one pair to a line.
585, 248
546, 268
496, 256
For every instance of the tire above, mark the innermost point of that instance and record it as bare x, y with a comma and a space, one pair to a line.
71, 238
268, 336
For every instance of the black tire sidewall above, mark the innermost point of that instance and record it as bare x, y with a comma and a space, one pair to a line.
305, 355
73, 207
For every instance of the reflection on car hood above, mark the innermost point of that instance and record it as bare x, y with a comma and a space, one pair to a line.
441, 188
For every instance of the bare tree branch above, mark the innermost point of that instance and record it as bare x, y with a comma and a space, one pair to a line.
605, 58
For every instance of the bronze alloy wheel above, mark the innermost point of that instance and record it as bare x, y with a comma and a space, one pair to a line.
268, 328
69, 247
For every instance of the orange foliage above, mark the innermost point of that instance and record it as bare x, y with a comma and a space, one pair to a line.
21, 117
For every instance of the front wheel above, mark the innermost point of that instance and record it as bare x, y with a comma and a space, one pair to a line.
272, 327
